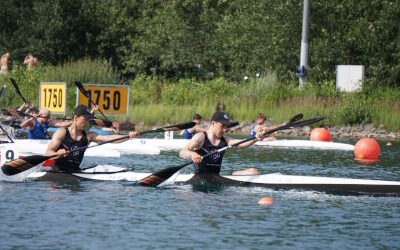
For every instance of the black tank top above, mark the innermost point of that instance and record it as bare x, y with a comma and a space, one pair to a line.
71, 162
212, 163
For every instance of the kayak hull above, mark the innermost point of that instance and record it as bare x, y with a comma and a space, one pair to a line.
274, 181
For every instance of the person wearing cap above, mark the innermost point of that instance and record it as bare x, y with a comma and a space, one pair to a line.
259, 126
188, 133
209, 141
73, 137
37, 125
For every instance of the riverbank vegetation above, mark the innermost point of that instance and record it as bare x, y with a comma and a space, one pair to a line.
156, 101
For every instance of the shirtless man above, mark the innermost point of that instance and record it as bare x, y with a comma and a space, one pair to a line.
30, 61
4, 63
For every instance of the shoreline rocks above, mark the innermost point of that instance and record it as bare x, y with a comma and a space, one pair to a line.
345, 131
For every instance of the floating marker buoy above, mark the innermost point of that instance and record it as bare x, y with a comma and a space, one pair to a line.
320, 134
389, 144
266, 201
367, 150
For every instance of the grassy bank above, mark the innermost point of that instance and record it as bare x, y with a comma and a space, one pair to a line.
156, 102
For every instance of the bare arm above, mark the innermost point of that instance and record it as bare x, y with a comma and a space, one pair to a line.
245, 144
104, 138
29, 123
60, 123
195, 143
55, 142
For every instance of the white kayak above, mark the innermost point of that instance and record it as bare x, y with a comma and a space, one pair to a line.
32, 148
121, 148
274, 180
177, 144
305, 144
163, 144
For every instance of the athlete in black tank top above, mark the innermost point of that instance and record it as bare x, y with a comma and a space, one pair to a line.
72, 161
64, 141
202, 144
211, 164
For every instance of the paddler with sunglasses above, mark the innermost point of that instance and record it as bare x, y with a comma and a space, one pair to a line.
37, 125
212, 140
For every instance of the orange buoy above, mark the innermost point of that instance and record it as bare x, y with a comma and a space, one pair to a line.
266, 201
389, 144
320, 134
367, 150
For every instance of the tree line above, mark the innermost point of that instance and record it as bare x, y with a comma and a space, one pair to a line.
208, 38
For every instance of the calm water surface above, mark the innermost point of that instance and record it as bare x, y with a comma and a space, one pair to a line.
121, 215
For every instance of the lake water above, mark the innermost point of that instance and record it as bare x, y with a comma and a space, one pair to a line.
122, 215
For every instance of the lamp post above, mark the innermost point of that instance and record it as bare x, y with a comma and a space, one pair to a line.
301, 71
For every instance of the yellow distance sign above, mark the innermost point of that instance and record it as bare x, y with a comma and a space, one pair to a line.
111, 99
53, 95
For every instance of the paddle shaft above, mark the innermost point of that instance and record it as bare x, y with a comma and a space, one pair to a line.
5, 132
14, 83
167, 128
85, 93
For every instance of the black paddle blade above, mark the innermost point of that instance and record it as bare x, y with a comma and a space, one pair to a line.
20, 165
296, 118
305, 122
233, 124
101, 123
3, 90
170, 128
160, 176
81, 88
14, 83
179, 126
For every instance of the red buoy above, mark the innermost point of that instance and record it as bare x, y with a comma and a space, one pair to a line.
320, 134
367, 150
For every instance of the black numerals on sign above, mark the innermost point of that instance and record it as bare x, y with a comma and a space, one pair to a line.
53, 97
106, 100
115, 101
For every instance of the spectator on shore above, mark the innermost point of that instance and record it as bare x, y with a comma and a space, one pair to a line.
4, 63
30, 61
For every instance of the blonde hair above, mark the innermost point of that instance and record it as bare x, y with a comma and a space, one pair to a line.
44, 111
